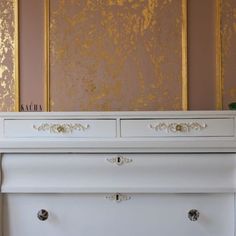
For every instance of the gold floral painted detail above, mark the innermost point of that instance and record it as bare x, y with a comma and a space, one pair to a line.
104, 48
8, 65
232, 93
61, 128
228, 27
178, 127
227, 46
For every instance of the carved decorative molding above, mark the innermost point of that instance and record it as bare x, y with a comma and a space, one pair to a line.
118, 197
119, 160
178, 127
61, 128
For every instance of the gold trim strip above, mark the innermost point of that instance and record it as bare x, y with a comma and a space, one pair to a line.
16, 62
184, 56
219, 75
47, 55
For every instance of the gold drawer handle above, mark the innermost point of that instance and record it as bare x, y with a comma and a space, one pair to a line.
118, 197
119, 160
178, 127
61, 128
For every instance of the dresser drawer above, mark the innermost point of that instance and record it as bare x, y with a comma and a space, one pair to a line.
133, 214
60, 128
177, 127
81, 173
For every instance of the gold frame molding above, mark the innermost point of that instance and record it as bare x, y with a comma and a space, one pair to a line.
219, 71
184, 55
47, 97
47, 54
15, 56
16, 63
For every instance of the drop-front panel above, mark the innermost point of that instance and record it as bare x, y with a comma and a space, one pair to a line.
118, 173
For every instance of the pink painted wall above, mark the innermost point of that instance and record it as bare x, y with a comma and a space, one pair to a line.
201, 54
31, 39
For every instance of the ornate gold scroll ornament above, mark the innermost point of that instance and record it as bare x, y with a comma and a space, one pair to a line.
61, 128
178, 127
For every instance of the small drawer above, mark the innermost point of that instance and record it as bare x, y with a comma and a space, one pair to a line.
60, 128
177, 127
133, 214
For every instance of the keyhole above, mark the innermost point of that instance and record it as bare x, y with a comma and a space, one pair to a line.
118, 160
117, 197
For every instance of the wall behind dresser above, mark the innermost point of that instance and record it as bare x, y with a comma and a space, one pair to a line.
67, 62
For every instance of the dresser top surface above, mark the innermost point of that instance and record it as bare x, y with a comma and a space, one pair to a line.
120, 114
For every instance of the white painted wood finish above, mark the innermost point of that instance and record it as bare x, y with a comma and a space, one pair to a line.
160, 174
143, 214
92, 128
207, 127
157, 173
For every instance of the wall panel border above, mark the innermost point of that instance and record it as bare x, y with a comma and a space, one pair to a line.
184, 95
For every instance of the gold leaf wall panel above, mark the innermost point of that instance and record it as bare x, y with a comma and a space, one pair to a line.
8, 55
228, 51
116, 55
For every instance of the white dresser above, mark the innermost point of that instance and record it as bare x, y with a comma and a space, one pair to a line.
118, 174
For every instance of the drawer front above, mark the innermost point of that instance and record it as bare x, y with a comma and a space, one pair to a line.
60, 128
177, 127
135, 214
112, 172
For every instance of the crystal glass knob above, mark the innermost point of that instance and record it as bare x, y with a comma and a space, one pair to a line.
42, 215
193, 215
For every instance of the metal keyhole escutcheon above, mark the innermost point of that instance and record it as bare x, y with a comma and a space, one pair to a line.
42, 215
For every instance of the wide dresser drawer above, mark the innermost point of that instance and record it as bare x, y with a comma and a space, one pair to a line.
177, 127
82, 173
132, 214
60, 128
